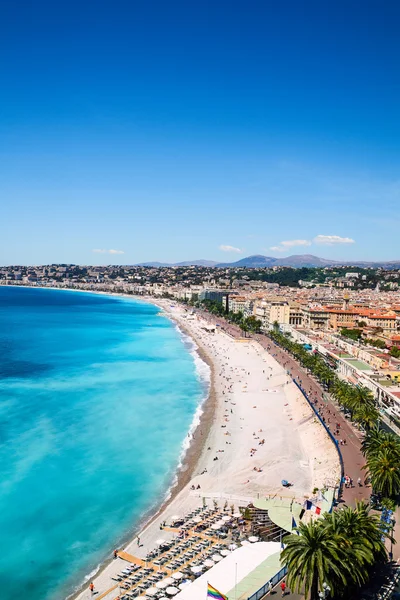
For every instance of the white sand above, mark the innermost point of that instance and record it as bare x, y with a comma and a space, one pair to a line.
255, 402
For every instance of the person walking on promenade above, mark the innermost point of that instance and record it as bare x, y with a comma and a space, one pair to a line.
283, 588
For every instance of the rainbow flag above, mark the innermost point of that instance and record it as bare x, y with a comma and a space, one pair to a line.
212, 592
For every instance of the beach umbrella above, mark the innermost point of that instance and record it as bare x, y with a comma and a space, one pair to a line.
163, 598
174, 518
183, 584
178, 575
253, 538
221, 522
245, 543
216, 557
226, 518
232, 546
208, 563
151, 591
237, 515
171, 591
161, 585
197, 519
159, 542
196, 569
169, 581
224, 552
215, 526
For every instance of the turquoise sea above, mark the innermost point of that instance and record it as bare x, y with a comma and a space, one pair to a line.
97, 395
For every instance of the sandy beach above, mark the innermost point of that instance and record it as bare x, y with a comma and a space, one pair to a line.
256, 429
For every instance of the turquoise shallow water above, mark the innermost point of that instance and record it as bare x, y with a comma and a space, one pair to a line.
97, 395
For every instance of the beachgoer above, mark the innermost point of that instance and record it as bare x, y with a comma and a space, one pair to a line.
283, 587
115, 553
91, 587
138, 541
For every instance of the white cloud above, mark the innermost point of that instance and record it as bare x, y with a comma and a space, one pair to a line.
330, 240
290, 244
230, 249
103, 251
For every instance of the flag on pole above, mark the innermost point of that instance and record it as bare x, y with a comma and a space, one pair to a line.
212, 592
313, 508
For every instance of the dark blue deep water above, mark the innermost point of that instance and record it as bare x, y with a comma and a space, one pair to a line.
97, 394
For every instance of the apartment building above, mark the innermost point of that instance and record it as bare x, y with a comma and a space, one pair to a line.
237, 304
269, 311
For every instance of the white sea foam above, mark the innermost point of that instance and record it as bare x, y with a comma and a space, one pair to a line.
203, 373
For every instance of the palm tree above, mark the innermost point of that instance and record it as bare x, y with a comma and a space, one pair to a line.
367, 414
373, 441
378, 439
313, 557
383, 468
360, 536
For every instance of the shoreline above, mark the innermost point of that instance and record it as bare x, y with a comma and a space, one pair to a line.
260, 394
191, 457
188, 459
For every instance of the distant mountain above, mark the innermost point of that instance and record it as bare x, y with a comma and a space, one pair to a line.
305, 260
156, 265
255, 261
187, 263
295, 261
196, 263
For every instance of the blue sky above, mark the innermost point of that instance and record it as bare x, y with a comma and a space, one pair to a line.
184, 130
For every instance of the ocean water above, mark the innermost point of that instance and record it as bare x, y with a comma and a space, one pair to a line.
97, 394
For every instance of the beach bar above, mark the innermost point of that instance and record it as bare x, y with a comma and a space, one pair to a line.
240, 575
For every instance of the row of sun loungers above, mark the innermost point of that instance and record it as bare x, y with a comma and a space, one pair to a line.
181, 554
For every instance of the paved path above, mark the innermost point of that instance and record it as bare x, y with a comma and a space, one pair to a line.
351, 452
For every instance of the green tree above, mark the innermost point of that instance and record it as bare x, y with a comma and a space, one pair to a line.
313, 557
253, 323
353, 334
374, 441
360, 537
383, 467
338, 549
395, 352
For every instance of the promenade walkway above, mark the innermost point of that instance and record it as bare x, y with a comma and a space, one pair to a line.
351, 452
